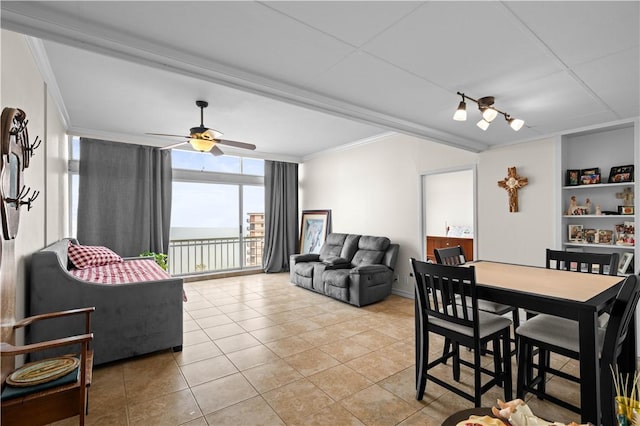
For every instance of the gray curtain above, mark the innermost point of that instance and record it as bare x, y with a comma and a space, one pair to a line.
281, 215
124, 197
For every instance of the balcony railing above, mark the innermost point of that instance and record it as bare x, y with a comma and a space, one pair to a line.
214, 255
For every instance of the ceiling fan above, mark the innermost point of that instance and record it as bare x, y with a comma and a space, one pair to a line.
205, 139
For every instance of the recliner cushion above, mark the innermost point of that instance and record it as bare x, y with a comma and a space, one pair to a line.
304, 269
371, 250
332, 246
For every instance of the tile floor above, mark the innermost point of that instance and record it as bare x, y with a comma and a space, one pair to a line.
261, 351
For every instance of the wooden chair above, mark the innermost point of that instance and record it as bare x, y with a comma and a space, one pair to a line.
464, 324
561, 336
583, 262
455, 256
65, 400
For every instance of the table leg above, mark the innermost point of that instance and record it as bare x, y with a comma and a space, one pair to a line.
589, 368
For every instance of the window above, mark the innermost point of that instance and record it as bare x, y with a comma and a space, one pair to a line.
217, 217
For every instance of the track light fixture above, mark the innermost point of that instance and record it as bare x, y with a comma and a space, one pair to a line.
488, 111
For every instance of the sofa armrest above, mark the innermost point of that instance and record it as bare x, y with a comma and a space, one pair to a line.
307, 257
337, 262
369, 269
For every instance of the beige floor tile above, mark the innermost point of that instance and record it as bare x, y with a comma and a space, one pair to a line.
403, 385
344, 350
256, 323
206, 370
340, 381
213, 321
171, 409
245, 314
197, 352
237, 342
269, 334
197, 304
420, 419
194, 337
221, 393
226, 330
375, 366
190, 325
321, 336
254, 411
334, 414
376, 406
203, 313
297, 400
289, 346
311, 362
373, 339
252, 357
149, 378
271, 375
200, 421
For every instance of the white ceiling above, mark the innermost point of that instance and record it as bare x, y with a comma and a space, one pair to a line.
296, 78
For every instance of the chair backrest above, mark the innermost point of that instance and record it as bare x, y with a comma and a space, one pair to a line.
436, 285
583, 262
622, 313
450, 255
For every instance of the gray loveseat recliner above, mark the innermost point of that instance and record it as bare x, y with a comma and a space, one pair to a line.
357, 269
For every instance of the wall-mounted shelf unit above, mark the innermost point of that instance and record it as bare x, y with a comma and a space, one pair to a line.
603, 148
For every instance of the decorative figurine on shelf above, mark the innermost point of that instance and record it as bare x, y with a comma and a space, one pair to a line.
576, 210
627, 201
512, 183
598, 210
572, 205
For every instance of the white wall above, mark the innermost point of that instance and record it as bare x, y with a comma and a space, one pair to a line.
524, 236
374, 189
23, 87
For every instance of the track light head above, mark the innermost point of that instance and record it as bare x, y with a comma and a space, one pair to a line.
461, 112
515, 123
483, 124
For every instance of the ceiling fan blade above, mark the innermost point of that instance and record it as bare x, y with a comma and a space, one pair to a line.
236, 144
173, 146
213, 133
164, 134
216, 151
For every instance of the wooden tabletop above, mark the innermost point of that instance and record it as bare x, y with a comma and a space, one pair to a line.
575, 286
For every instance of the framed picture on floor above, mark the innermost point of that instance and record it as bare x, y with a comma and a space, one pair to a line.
625, 262
314, 228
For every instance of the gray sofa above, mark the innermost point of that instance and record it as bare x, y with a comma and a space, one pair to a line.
357, 269
129, 320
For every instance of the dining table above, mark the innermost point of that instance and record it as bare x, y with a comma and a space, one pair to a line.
567, 294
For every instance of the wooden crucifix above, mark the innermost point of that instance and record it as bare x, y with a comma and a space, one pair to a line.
512, 183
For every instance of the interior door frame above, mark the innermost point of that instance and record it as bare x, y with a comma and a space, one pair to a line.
423, 208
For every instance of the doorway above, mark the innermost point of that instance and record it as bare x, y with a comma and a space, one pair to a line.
449, 210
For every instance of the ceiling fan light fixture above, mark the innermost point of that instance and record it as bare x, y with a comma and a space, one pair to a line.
461, 112
483, 124
202, 145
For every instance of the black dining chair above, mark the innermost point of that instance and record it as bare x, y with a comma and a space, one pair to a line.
561, 336
463, 324
574, 261
455, 256
593, 263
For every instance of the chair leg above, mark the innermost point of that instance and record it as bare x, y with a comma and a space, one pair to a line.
477, 363
543, 362
446, 347
456, 362
497, 361
516, 322
524, 359
422, 360
506, 371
